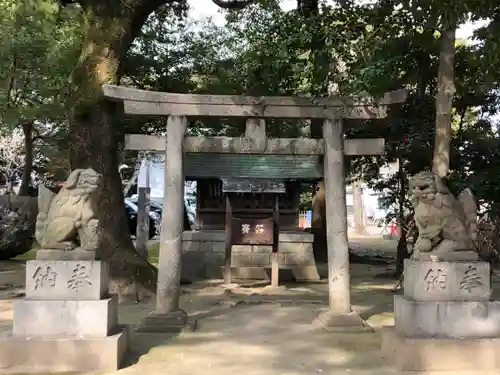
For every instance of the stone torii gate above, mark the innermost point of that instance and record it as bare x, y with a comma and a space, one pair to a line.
176, 107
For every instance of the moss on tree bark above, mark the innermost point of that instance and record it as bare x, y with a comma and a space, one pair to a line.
95, 129
95, 126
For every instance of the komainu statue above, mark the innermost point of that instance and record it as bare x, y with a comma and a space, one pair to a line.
445, 224
66, 221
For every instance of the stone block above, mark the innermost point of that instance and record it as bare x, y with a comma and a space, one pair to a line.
203, 245
300, 257
292, 259
241, 249
35, 318
248, 273
188, 246
64, 354
193, 265
460, 256
446, 319
213, 271
261, 259
446, 281
219, 246
287, 247
204, 235
435, 354
299, 236
171, 322
306, 273
262, 249
76, 254
66, 280
341, 323
241, 259
307, 250
213, 261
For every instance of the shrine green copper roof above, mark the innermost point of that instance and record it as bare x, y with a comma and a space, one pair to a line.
250, 166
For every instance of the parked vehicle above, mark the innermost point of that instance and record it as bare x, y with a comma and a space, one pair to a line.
132, 212
156, 206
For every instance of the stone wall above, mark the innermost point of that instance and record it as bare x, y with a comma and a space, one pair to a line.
204, 256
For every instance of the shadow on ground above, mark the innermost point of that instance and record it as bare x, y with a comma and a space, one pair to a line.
258, 339
251, 331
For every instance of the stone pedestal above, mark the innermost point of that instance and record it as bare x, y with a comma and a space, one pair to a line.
66, 323
444, 320
203, 256
331, 321
169, 322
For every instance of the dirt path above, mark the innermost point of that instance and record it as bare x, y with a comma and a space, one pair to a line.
249, 331
258, 339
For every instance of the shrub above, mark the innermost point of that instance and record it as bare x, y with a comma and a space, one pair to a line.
17, 225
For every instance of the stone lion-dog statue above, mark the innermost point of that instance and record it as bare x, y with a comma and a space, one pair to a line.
67, 221
445, 224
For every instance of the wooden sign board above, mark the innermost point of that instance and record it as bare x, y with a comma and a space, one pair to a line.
252, 231
253, 186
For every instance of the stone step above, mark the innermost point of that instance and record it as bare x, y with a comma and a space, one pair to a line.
446, 319
36, 318
66, 280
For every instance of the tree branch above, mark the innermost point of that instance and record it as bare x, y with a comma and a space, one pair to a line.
12, 81
233, 4
150, 6
64, 3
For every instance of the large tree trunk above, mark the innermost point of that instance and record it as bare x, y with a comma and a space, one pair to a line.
135, 176
318, 224
357, 202
309, 10
186, 224
24, 189
444, 97
402, 249
93, 134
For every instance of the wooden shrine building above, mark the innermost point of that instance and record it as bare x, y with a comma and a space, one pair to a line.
208, 170
204, 247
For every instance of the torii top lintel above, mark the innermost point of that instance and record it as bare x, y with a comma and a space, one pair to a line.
143, 102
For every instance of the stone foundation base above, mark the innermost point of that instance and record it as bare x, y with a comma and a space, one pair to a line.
36, 318
204, 254
172, 322
304, 273
347, 323
76, 254
446, 280
469, 256
430, 354
446, 319
65, 354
